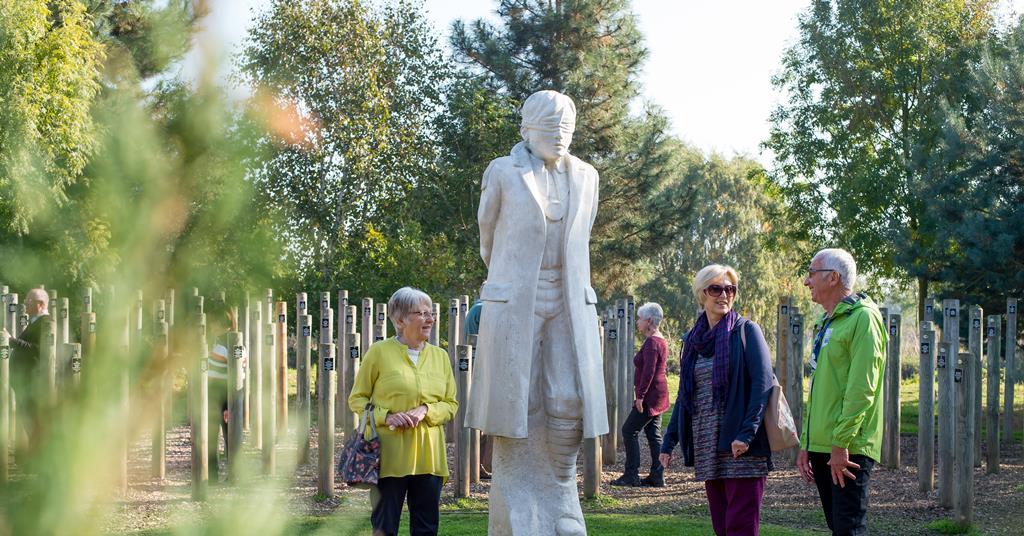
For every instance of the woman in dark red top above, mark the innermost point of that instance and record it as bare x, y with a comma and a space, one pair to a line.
650, 394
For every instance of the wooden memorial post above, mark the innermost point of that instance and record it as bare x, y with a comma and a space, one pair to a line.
462, 432
926, 410
891, 397
303, 339
963, 463
340, 360
199, 405
944, 369
354, 359
451, 430
1010, 339
63, 315
281, 361
367, 324
630, 346
159, 441
992, 404
5, 405
269, 387
622, 361
380, 324
349, 364
795, 380
463, 310
611, 382
974, 346
435, 337
244, 317
325, 379
474, 434
256, 344
236, 401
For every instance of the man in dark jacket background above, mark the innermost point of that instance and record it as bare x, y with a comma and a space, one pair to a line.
26, 375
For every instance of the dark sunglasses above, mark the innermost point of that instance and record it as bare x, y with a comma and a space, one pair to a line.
716, 290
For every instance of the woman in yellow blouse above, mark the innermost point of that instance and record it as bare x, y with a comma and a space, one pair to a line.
412, 389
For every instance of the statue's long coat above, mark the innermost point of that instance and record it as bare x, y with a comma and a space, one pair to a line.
512, 236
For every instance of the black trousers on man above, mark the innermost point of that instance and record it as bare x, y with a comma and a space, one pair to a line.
424, 496
846, 508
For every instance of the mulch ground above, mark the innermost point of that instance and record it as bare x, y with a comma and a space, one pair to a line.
897, 506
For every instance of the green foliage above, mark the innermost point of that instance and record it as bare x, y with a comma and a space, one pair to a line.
865, 84
477, 126
353, 91
48, 80
591, 51
143, 38
976, 184
733, 224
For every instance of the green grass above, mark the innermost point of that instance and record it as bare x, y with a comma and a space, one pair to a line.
474, 524
946, 526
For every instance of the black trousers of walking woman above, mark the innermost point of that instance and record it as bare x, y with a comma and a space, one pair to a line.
651, 426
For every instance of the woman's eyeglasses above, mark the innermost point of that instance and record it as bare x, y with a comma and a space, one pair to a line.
716, 290
424, 315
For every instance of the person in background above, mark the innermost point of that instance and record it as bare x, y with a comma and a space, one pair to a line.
217, 384
27, 376
842, 433
724, 384
472, 327
411, 387
650, 393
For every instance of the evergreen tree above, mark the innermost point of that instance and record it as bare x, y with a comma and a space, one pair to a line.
976, 184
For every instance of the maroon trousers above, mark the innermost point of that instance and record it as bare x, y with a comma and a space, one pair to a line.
735, 505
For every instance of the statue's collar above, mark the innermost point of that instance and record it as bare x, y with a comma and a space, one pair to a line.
523, 158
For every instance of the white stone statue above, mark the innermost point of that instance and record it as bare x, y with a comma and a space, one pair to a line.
538, 387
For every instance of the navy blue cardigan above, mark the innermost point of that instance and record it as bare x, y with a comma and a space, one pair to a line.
750, 385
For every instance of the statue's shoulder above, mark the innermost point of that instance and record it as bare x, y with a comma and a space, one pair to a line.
583, 167
503, 166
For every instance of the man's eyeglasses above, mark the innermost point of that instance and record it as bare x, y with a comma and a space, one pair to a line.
716, 290
424, 315
812, 271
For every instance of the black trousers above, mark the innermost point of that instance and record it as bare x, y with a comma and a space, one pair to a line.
217, 404
846, 508
424, 495
651, 426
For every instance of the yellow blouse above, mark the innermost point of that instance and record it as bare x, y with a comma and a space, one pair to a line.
390, 380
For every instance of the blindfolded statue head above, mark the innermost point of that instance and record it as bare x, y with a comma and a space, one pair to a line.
549, 120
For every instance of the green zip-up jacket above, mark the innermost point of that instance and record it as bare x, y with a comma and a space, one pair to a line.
844, 405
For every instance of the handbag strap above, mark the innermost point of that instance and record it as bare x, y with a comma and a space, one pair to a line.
368, 417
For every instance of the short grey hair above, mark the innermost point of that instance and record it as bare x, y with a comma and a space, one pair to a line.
651, 311
842, 262
404, 301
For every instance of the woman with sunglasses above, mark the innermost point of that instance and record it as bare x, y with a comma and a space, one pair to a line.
410, 384
724, 384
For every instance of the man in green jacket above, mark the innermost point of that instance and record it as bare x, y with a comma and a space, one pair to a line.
842, 430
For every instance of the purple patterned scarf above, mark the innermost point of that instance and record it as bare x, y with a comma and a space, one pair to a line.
700, 340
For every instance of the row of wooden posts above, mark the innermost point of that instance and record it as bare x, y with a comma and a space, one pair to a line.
258, 385
947, 365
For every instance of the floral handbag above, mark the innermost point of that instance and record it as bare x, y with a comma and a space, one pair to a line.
359, 465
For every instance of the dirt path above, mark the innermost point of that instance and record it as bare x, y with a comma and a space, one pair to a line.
897, 507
